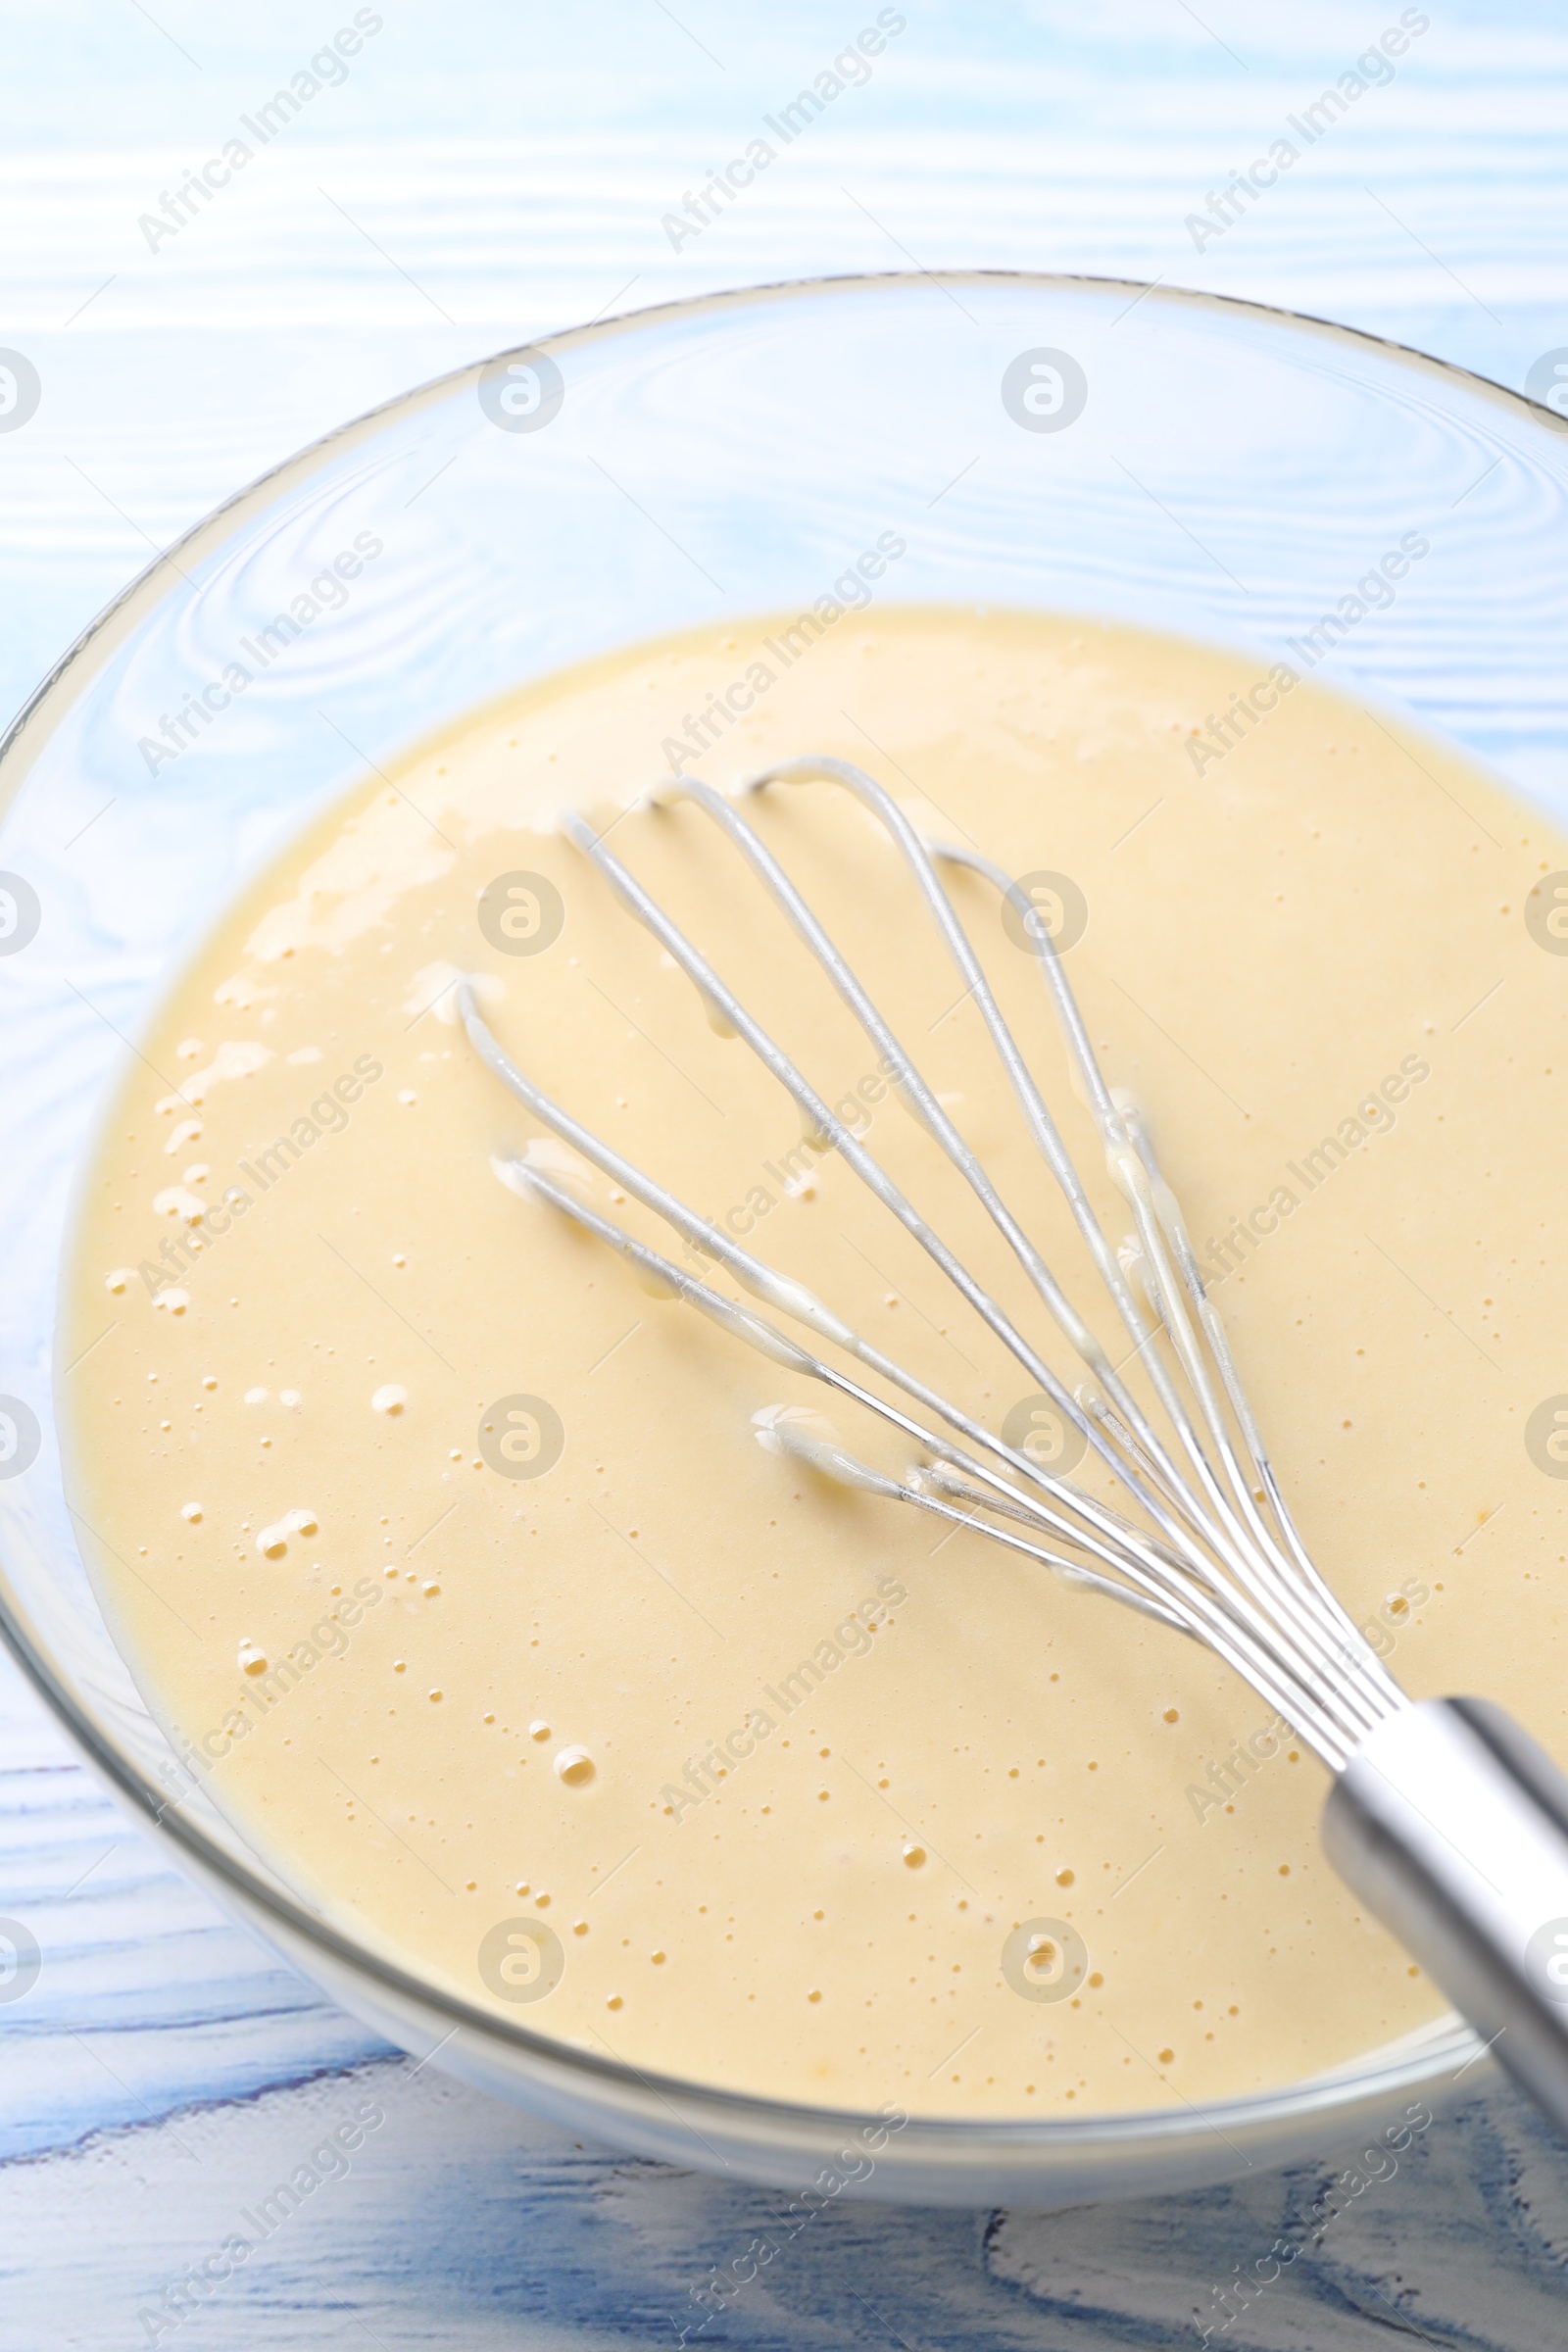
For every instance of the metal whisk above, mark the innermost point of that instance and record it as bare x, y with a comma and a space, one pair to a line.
1447, 1821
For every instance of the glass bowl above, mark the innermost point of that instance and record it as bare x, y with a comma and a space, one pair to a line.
1209, 467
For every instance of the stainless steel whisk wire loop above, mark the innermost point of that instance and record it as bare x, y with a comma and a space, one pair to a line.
1211, 1566
1147, 1449
1443, 1816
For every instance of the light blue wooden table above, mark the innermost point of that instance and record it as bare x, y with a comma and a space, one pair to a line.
479, 174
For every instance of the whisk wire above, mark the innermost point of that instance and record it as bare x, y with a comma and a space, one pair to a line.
1137, 1437
1223, 1564
1183, 1607
1134, 1434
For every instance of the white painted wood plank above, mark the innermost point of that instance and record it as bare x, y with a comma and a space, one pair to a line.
454, 2221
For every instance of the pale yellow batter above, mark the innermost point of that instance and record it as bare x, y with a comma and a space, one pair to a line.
447, 1553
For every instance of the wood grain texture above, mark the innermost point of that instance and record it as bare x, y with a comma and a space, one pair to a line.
487, 173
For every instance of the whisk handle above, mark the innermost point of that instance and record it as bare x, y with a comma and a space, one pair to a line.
1451, 1825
